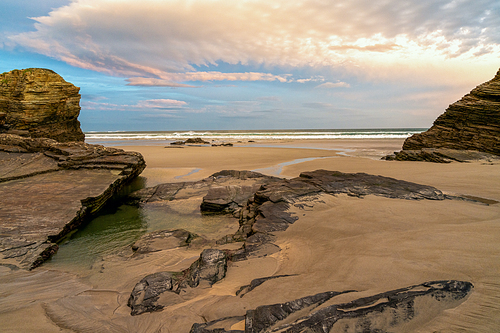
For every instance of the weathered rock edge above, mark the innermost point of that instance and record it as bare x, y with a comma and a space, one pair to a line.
378, 313
468, 130
265, 212
66, 156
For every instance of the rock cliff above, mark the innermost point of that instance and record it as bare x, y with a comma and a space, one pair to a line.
39, 103
471, 124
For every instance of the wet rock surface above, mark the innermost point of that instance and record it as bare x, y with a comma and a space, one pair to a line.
38, 103
52, 188
468, 130
379, 313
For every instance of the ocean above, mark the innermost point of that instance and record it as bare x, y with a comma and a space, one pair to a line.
248, 135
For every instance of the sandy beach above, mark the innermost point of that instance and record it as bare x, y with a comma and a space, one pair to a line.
371, 245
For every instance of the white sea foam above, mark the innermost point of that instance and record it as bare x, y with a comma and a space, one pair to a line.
257, 135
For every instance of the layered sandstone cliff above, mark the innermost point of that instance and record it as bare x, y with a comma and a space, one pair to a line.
469, 129
39, 103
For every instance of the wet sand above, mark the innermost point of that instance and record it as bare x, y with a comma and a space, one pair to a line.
371, 245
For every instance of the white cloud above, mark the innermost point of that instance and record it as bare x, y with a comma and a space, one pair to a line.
334, 85
150, 104
160, 104
164, 40
152, 82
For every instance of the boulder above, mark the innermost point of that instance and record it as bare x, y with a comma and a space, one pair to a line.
39, 103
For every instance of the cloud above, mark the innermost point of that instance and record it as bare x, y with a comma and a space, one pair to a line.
167, 40
151, 82
204, 76
150, 104
317, 105
160, 104
334, 85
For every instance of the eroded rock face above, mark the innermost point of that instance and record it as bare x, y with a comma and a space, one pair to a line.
471, 124
39, 103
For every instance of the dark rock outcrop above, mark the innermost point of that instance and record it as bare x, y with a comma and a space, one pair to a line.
267, 211
208, 269
195, 141
379, 313
226, 191
468, 126
39, 103
51, 188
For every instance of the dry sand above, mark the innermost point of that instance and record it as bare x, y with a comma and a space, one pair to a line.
372, 245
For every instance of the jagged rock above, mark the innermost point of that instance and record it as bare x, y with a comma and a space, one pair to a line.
162, 240
146, 293
52, 188
39, 103
383, 312
208, 269
470, 125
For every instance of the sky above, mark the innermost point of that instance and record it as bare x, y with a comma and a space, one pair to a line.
155, 65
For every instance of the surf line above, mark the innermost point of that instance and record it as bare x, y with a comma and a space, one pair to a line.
276, 170
188, 174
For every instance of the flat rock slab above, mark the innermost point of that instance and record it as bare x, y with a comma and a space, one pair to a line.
19, 165
43, 204
48, 189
